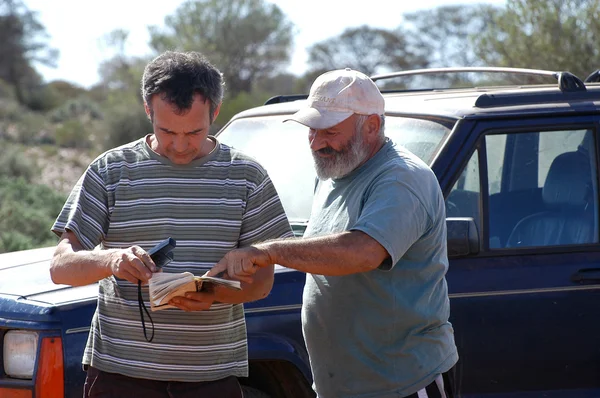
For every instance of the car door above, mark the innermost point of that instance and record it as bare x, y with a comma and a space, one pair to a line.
526, 309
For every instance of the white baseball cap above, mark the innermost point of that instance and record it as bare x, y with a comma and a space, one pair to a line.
337, 95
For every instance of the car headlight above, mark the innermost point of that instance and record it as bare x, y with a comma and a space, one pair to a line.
20, 352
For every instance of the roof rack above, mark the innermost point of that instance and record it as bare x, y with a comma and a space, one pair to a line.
513, 98
278, 99
567, 82
594, 77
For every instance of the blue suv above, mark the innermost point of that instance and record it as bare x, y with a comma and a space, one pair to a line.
518, 166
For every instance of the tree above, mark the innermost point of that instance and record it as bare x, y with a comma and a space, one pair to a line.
246, 39
366, 49
445, 34
121, 73
544, 34
23, 43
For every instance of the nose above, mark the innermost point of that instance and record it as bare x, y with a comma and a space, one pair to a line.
316, 140
180, 144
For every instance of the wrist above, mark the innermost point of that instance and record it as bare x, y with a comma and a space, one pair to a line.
107, 259
269, 251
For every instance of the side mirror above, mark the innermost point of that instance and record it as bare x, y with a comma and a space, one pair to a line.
463, 237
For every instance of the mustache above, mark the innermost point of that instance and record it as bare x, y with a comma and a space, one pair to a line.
326, 151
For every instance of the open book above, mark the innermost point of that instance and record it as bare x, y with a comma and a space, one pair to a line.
164, 286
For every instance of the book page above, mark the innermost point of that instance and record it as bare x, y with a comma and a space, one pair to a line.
164, 286
220, 281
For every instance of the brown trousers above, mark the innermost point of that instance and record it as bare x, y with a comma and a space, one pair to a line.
99, 384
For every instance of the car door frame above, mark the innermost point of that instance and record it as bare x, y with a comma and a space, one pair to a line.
509, 306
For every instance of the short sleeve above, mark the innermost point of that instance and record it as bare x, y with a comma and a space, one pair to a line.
85, 212
264, 217
394, 216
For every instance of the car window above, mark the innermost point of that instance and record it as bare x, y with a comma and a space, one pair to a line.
282, 148
543, 189
464, 198
421, 137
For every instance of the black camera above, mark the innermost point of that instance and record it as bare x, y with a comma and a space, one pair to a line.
162, 253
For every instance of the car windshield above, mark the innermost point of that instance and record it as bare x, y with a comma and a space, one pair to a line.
282, 148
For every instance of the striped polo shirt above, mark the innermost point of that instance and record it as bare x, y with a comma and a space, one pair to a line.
132, 196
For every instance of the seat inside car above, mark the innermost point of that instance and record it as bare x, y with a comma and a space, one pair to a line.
568, 198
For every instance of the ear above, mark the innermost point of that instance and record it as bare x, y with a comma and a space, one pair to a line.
216, 113
372, 125
147, 109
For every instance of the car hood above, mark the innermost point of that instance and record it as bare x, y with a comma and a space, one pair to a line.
25, 275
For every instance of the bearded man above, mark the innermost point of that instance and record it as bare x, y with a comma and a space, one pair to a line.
375, 304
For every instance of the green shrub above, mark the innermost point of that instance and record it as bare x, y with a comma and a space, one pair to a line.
12, 241
80, 108
32, 128
27, 212
7, 91
124, 125
14, 163
42, 98
72, 134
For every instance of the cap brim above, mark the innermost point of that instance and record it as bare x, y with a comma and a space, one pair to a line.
318, 120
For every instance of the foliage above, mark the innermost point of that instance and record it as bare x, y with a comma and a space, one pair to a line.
13, 163
124, 124
240, 102
41, 98
445, 34
6, 90
81, 107
66, 90
23, 126
544, 34
366, 49
23, 43
27, 212
72, 134
245, 39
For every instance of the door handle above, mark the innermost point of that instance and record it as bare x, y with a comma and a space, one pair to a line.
586, 275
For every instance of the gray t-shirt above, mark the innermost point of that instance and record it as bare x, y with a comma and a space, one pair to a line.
382, 333
132, 196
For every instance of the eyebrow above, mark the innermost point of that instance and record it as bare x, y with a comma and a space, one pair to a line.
186, 132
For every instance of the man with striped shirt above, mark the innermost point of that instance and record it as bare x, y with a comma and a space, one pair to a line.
177, 182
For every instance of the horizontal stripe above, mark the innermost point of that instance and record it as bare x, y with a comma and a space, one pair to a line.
174, 347
158, 365
179, 201
172, 326
165, 182
172, 221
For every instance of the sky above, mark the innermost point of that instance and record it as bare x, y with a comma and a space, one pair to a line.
76, 27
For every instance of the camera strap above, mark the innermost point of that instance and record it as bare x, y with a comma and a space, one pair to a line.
142, 307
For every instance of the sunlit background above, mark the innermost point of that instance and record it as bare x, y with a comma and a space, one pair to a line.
70, 70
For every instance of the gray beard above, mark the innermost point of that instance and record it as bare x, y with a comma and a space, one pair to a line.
344, 161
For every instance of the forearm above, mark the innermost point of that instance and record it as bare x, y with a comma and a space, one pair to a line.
259, 289
339, 254
78, 268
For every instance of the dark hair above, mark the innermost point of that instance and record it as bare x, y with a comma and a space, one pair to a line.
177, 76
